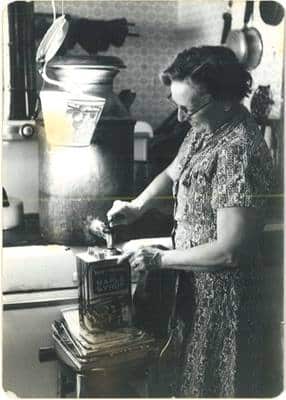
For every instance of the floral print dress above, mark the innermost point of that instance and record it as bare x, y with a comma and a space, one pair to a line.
218, 330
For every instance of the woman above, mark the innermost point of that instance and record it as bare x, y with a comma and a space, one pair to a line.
220, 180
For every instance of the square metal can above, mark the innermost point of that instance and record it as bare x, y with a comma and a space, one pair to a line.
105, 301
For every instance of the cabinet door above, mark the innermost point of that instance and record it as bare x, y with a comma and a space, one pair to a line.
26, 328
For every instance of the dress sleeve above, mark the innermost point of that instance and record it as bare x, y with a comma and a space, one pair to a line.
172, 169
242, 178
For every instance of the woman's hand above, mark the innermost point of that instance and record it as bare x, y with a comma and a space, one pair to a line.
144, 260
122, 213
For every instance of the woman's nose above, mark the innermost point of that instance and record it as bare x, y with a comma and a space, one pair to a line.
181, 115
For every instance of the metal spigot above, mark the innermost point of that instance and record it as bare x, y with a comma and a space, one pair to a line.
109, 237
103, 231
108, 234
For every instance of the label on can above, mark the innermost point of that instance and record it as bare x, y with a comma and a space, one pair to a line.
104, 293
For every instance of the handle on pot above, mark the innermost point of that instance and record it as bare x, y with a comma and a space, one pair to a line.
69, 87
249, 6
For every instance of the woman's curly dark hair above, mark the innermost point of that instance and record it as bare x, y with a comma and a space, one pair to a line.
215, 67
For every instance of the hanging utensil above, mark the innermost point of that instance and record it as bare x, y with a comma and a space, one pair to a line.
246, 43
52, 40
227, 17
51, 43
271, 12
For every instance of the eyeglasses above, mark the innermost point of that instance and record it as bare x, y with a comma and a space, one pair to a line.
188, 112
175, 106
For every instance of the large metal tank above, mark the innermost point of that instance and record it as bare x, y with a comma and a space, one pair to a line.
81, 174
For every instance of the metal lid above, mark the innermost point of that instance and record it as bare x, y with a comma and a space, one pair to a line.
53, 39
87, 62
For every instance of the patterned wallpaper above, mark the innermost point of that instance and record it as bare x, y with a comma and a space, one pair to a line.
159, 42
167, 27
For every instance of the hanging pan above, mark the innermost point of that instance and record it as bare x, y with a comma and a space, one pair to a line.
246, 43
271, 12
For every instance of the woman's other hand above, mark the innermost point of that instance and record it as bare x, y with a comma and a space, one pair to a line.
122, 213
144, 259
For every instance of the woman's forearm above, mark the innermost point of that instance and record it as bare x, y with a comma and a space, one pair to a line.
156, 194
205, 257
237, 238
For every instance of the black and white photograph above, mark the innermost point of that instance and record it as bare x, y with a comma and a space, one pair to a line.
142, 198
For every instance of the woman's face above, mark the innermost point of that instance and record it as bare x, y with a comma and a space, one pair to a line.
190, 98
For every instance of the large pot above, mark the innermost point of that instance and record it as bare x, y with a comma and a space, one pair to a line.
80, 178
246, 43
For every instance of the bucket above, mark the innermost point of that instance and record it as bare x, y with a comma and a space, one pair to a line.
70, 120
